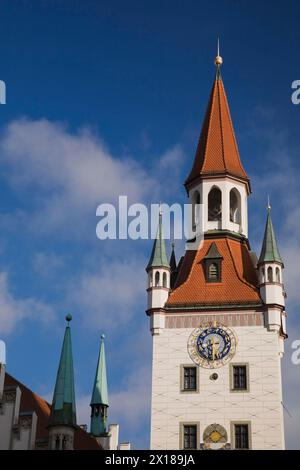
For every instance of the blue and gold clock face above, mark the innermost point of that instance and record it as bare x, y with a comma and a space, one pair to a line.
212, 346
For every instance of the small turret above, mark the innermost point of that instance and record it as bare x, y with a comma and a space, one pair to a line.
158, 270
270, 266
62, 421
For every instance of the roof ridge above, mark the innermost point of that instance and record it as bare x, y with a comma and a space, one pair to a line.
208, 111
221, 126
236, 270
232, 130
27, 389
190, 272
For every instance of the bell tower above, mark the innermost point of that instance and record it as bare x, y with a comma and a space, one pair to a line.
218, 329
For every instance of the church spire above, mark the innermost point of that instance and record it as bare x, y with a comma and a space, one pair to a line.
158, 256
217, 152
62, 421
99, 401
63, 410
269, 252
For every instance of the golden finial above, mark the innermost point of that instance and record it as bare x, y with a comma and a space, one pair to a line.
218, 59
160, 209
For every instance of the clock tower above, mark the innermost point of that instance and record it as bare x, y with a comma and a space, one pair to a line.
218, 329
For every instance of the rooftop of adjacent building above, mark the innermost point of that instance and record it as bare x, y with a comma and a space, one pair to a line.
30, 402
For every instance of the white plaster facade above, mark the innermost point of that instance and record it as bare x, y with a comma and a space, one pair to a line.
17, 430
258, 345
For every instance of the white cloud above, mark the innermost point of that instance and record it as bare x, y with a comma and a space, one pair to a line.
47, 264
68, 175
109, 297
13, 310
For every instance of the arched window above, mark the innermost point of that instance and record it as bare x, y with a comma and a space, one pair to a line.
157, 278
64, 443
196, 202
150, 279
270, 274
57, 442
235, 206
277, 275
165, 279
262, 274
213, 271
214, 204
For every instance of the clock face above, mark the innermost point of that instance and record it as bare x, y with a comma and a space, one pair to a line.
212, 346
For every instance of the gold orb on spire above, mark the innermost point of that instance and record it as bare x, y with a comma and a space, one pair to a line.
218, 61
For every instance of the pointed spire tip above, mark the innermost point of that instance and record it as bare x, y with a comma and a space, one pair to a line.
218, 59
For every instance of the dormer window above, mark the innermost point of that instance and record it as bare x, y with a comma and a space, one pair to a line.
213, 261
213, 271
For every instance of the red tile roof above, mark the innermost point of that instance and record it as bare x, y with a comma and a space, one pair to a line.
217, 151
30, 401
238, 284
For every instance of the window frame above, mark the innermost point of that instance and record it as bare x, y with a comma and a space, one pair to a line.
190, 366
208, 263
182, 425
231, 378
233, 424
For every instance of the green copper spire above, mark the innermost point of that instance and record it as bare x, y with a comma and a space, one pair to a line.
269, 252
158, 256
63, 410
99, 401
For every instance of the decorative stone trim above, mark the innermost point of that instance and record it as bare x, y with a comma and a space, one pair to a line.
9, 394
25, 421
236, 319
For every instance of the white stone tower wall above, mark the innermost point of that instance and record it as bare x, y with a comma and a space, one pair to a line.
261, 406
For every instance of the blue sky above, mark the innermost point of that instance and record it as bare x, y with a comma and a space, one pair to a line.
107, 98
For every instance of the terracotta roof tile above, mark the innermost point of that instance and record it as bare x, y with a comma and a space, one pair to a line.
239, 281
217, 151
30, 401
